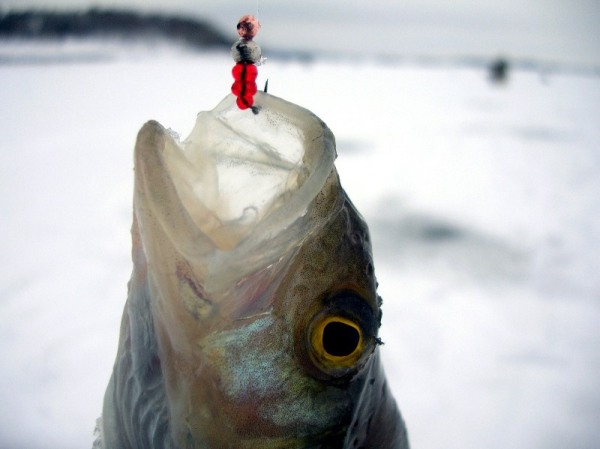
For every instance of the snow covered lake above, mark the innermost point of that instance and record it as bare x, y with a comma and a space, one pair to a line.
483, 200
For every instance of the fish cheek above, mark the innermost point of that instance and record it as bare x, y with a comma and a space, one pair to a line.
262, 392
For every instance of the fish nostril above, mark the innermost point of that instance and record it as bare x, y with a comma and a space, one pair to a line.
340, 339
356, 238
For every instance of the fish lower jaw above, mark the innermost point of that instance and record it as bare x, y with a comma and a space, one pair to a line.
236, 170
232, 197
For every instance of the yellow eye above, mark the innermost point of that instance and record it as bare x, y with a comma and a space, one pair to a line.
340, 338
337, 342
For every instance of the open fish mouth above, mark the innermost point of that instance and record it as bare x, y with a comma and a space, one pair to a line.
235, 191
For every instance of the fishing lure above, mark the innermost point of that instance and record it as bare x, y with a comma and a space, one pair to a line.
246, 53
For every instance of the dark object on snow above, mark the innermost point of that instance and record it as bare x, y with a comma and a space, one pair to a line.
109, 23
499, 70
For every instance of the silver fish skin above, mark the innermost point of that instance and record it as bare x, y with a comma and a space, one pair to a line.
252, 315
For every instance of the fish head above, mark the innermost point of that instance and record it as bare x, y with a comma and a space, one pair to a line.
261, 279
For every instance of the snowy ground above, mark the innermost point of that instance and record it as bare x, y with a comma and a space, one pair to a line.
483, 201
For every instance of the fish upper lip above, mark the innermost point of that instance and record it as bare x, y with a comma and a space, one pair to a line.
179, 186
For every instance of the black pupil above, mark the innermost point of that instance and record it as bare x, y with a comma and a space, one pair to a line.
340, 339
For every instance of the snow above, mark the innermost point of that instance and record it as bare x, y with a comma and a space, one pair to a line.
482, 200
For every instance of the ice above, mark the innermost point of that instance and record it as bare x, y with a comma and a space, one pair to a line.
490, 330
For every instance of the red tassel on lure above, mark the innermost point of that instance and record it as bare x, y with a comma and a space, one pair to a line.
244, 86
246, 53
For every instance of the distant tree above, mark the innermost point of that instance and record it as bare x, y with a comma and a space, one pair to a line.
38, 24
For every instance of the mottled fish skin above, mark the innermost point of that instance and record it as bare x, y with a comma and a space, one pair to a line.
233, 364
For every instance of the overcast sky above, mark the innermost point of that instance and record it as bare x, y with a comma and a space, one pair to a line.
566, 31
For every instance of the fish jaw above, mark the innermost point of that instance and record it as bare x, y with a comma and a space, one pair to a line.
227, 199
235, 289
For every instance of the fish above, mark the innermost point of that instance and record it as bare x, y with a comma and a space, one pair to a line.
252, 313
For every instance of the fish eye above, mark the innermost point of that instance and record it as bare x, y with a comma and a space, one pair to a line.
340, 339
337, 339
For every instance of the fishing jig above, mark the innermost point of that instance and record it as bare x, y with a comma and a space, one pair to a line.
247, 54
